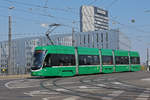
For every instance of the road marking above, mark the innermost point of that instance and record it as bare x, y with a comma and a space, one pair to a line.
22, 84
87, 87
122, 84
83, 87
71, 98
86, 81
106, 98
117, 83
49, 98
63, 83
146, 79
68, 98
45, 98
148, 89
101, 85
144, 96
40, 92
113, 94
63, 90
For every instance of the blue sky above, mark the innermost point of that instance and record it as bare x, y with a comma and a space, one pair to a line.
29, 15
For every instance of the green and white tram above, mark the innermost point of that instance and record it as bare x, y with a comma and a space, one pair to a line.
57, 60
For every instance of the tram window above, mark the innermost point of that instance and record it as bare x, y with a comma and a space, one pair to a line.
135, 60
60, 60
122, 59
107, 60
66, 60
47, 61
89, 60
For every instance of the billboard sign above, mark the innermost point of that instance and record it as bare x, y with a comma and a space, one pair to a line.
101, 12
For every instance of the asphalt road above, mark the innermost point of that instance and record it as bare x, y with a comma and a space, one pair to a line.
116, 86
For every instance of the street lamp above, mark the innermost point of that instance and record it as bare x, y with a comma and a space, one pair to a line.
9, 40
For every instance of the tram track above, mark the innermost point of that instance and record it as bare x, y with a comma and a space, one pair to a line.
74, 92
85, 87
67, 91
108, 84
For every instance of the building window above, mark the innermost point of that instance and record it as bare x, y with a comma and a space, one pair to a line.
106, 36
107, 60
135, 60
89, 60
101, 40
88, 38
122, 60
28, 64
80, 39
106, 40
84, 39
97, 37
102, 37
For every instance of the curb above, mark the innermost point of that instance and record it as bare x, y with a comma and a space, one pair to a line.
15, 76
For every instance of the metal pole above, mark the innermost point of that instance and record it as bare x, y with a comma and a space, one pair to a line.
73, 41
147, 59
9, 45
72, 36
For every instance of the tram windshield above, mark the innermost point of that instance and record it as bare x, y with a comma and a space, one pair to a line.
38, 59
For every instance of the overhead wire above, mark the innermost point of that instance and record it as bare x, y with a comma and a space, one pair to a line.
111, 4
134, 37
114, 1
46, 4
124, 25
67, 18
20, 10
39, 6
127, 26
92, 2
41, 14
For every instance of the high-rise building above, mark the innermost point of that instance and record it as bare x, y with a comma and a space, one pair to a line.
93, 19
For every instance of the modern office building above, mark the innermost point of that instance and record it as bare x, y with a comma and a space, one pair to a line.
106, 39
93, 19
23, 49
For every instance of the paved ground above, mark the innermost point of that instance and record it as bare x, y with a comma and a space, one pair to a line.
116, 86
4, 77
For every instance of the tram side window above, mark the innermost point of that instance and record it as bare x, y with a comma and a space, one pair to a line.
107, 60
89, 60
65, 60
135, 60
59, 60
122, 59
47, 61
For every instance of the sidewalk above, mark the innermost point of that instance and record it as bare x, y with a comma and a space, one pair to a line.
15, 76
